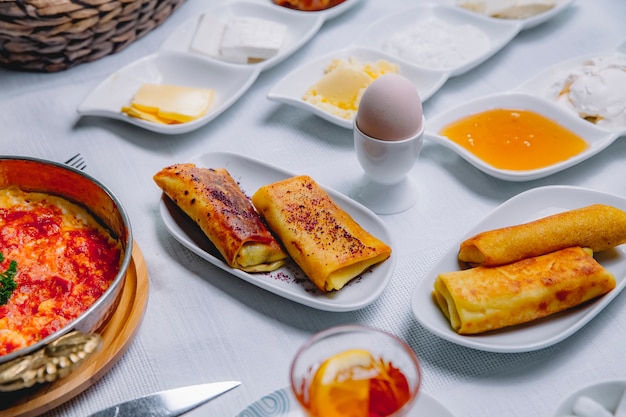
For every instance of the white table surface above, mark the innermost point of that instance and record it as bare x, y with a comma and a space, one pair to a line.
202, 324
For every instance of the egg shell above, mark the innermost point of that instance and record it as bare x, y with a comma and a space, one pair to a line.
390, 109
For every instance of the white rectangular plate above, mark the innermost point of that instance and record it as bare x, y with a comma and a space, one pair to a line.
288, 281
525, 207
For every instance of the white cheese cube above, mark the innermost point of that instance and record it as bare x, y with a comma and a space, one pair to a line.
248, 39
208, 36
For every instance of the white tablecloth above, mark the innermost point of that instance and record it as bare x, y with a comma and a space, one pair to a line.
202, 324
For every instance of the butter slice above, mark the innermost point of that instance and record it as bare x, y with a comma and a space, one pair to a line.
341, 86
172, 103
340, 90
249, 39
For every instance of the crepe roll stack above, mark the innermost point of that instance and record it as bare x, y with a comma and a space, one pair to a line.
529, 271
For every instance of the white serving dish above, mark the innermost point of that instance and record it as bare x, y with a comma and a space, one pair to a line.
288, 281
597, 138
176, 63
229, 81
525, 207
291, 88
607, 393
499, 32
301, 27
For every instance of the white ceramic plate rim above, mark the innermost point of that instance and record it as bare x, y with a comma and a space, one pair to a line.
524, 207
597, 138
533, 21
107, 99
180, 39
505, 30
291, 88
282, 403
606, 392
251, 174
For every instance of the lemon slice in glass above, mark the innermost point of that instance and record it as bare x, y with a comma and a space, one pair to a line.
341, 385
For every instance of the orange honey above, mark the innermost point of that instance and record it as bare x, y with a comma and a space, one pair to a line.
515, 139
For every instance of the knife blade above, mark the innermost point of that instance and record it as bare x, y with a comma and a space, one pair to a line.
169, 403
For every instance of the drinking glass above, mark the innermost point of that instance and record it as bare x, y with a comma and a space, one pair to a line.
355, 371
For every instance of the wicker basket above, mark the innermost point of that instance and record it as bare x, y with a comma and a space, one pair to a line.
53, 35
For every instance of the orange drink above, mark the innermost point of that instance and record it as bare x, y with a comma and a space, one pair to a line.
355, 371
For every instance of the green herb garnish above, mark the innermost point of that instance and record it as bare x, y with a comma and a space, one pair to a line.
7, 283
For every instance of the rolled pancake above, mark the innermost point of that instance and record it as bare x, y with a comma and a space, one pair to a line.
326, 243
481, 299
212, 198
598, 227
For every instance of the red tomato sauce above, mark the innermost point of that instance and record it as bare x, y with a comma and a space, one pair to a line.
61, 270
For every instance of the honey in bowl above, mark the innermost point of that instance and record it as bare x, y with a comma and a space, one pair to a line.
515, 139
374, 375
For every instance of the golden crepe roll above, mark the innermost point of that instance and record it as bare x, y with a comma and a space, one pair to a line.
212, 198
487, 298
328, 245
598, 227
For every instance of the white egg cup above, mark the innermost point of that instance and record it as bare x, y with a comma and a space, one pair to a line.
385, 188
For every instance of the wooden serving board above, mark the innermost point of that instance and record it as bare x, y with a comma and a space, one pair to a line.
116, 338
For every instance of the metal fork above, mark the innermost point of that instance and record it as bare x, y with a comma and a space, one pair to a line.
77, 162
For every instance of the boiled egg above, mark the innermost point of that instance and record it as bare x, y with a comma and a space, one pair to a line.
390, 109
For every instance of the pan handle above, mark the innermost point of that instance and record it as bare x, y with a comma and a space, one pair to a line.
55, 361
